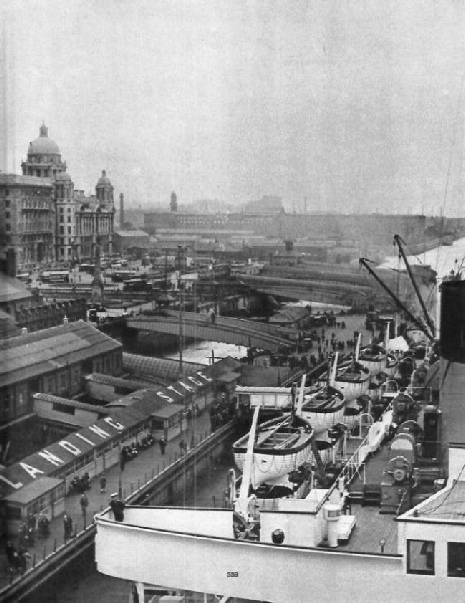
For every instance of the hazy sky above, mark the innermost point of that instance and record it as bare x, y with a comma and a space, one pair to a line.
355, 105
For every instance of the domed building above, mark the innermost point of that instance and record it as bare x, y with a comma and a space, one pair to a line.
43, 157
81, 224
95, 220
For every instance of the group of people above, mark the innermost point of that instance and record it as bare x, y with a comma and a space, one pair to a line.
221, 411
17, 558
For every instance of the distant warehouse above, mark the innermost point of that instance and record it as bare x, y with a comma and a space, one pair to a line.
125, 240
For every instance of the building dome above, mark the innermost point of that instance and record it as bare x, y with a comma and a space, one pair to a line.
43, 145
103, 180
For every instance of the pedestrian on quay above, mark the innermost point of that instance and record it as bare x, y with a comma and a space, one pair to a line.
68, 526
84, 502
162, 444
117, 506
11, 552
182, 446
103, 483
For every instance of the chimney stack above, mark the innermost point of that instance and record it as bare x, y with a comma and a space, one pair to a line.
121, 211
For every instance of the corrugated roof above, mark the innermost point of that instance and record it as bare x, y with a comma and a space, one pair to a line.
44, 351
71, 403
157, 367
119, 381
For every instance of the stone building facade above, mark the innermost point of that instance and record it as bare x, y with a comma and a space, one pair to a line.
43, 220
27, 219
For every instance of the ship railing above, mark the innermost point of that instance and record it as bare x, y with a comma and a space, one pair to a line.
369, 444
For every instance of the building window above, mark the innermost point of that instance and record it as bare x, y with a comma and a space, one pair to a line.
69, 217
69, 229
7, 201
7, 215
7, 226
456, 559
420, 557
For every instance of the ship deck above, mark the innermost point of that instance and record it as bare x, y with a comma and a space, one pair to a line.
371, 525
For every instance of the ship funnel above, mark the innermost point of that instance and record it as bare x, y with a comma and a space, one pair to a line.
452, 327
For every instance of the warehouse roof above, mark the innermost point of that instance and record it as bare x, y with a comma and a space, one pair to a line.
44, 351
12, 289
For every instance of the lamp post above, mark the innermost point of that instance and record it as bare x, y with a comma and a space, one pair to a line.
180, 288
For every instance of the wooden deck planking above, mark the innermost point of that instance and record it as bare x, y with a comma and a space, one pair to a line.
371, 527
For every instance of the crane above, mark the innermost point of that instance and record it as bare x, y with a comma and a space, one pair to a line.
398, 241
365, 263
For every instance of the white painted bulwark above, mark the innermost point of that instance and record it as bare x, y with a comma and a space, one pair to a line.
259, 571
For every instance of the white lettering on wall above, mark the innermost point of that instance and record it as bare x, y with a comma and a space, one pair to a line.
78, 435
204, 376
16, 485
31, 470
165, 397
100, 432
113, 423
70, 447
175, 390
195, 381
186, 387
48, 456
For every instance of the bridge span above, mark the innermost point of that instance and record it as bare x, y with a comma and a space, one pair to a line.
227, 330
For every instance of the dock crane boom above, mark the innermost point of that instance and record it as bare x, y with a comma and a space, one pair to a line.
398, 241
416, 321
